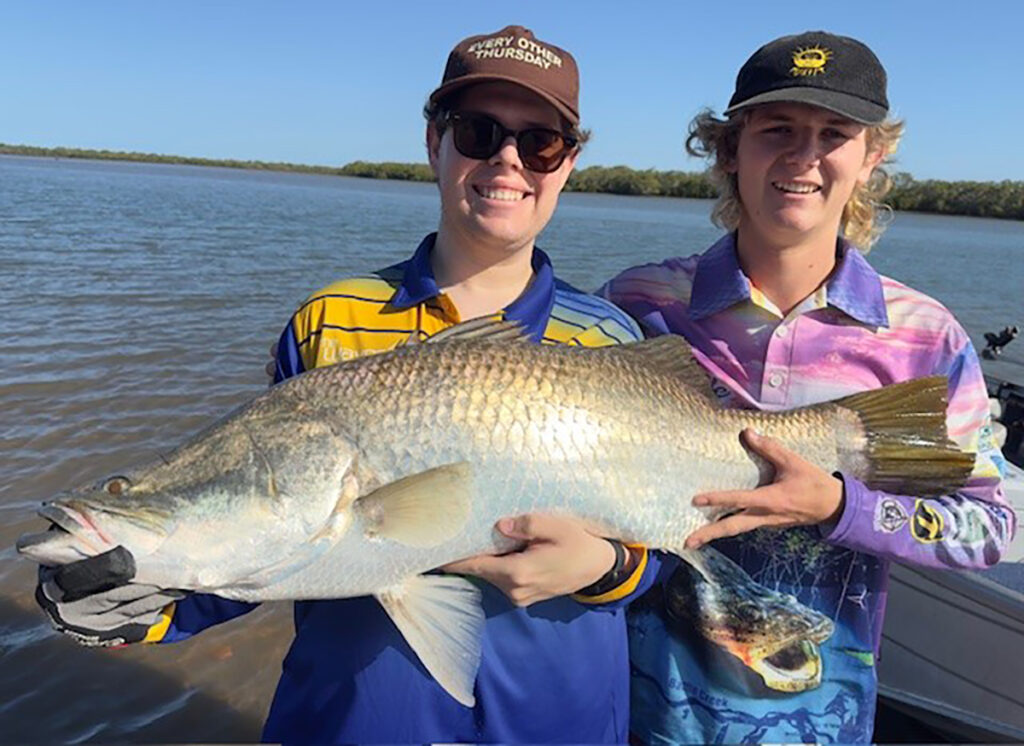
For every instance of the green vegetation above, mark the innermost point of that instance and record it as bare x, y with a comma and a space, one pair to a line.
1002, 199
388, 170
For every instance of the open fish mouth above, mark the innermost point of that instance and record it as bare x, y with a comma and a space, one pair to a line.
794, 668
72, 536
770, 632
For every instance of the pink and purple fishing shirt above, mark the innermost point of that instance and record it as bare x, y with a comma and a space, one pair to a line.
858, 331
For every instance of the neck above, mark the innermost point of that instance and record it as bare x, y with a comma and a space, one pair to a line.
480, 280
786, 273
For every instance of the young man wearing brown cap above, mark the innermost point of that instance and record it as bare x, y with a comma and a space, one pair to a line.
502, 137
784, 311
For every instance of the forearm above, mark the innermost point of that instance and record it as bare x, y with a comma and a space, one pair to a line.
197, 612
969, 530
644, 571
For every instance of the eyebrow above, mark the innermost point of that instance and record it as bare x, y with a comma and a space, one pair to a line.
836, 120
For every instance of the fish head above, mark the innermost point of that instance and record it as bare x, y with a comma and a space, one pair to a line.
768, 630
246, 493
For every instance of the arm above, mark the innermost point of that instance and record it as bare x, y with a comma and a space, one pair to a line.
95, 602
560, 557
969, 529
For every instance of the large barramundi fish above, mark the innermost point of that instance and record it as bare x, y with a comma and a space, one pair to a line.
358, 478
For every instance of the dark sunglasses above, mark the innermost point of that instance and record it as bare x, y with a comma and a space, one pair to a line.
479, 136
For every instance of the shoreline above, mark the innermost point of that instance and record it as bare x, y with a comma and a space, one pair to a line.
988, 199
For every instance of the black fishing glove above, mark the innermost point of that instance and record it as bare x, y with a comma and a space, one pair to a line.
94, 602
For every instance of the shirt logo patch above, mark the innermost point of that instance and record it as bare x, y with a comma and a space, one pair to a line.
890, 515
809, 61
927, 523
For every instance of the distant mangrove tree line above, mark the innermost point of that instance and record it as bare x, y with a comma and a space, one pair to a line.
991, 199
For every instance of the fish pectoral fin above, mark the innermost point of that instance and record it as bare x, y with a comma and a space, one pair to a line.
441, 618
422, 510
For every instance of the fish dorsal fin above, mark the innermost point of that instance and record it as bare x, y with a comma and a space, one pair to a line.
487, 328
441, 618
421, 510
672, 354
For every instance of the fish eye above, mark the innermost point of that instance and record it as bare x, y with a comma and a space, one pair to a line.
116, 485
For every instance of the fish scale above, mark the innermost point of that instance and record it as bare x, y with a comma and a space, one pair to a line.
356, 479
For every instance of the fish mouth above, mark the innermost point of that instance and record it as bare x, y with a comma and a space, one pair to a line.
794, 668
76, 532
71, 537
769, 631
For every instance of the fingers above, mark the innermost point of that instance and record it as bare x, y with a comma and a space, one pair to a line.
727, 501
731, 526
533, 527
767, 447
505, 572
95, 574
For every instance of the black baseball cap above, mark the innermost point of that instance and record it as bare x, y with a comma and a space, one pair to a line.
818, 68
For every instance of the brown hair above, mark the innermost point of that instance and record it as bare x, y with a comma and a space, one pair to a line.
717, 140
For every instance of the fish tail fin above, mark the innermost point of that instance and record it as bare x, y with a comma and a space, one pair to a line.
908, 447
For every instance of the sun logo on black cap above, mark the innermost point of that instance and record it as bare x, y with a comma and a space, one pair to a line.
810, 61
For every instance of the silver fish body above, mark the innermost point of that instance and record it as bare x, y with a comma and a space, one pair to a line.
355, 479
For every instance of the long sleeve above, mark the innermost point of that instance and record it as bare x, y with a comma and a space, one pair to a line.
199, 611
968, 529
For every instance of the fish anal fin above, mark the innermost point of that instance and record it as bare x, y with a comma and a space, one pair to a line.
422, 510
671, 354
441, 618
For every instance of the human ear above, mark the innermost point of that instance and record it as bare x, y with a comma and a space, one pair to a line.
571, 159
433, 146
872, 159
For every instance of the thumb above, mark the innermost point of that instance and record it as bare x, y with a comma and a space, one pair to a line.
517, 527
766, 447
530, 527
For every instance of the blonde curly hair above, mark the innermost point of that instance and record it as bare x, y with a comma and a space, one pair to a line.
865, 215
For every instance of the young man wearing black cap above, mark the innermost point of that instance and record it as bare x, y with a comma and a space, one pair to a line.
783, 312
502, 137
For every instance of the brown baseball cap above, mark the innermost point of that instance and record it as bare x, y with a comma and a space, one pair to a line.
515, 55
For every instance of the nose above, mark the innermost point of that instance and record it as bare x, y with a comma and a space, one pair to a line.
804, 148
507, 154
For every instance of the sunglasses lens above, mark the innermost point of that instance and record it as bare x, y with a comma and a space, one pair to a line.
476, 136
479, 136
542, 150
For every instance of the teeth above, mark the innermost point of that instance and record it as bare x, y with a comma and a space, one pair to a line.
505, 195
794, 187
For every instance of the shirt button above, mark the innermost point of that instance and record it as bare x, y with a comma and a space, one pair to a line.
775, 380
781, 330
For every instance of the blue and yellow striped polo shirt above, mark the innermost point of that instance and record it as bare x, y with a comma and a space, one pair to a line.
382, 310
552, 672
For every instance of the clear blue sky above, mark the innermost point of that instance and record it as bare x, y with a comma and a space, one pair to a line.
332, 82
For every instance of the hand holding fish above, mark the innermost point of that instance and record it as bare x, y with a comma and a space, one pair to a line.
559, 558
801, 494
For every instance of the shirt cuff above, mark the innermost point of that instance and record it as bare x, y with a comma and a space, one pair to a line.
157, 632
626, 587
853, 501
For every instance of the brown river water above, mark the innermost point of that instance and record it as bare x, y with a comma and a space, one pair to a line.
137, 303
